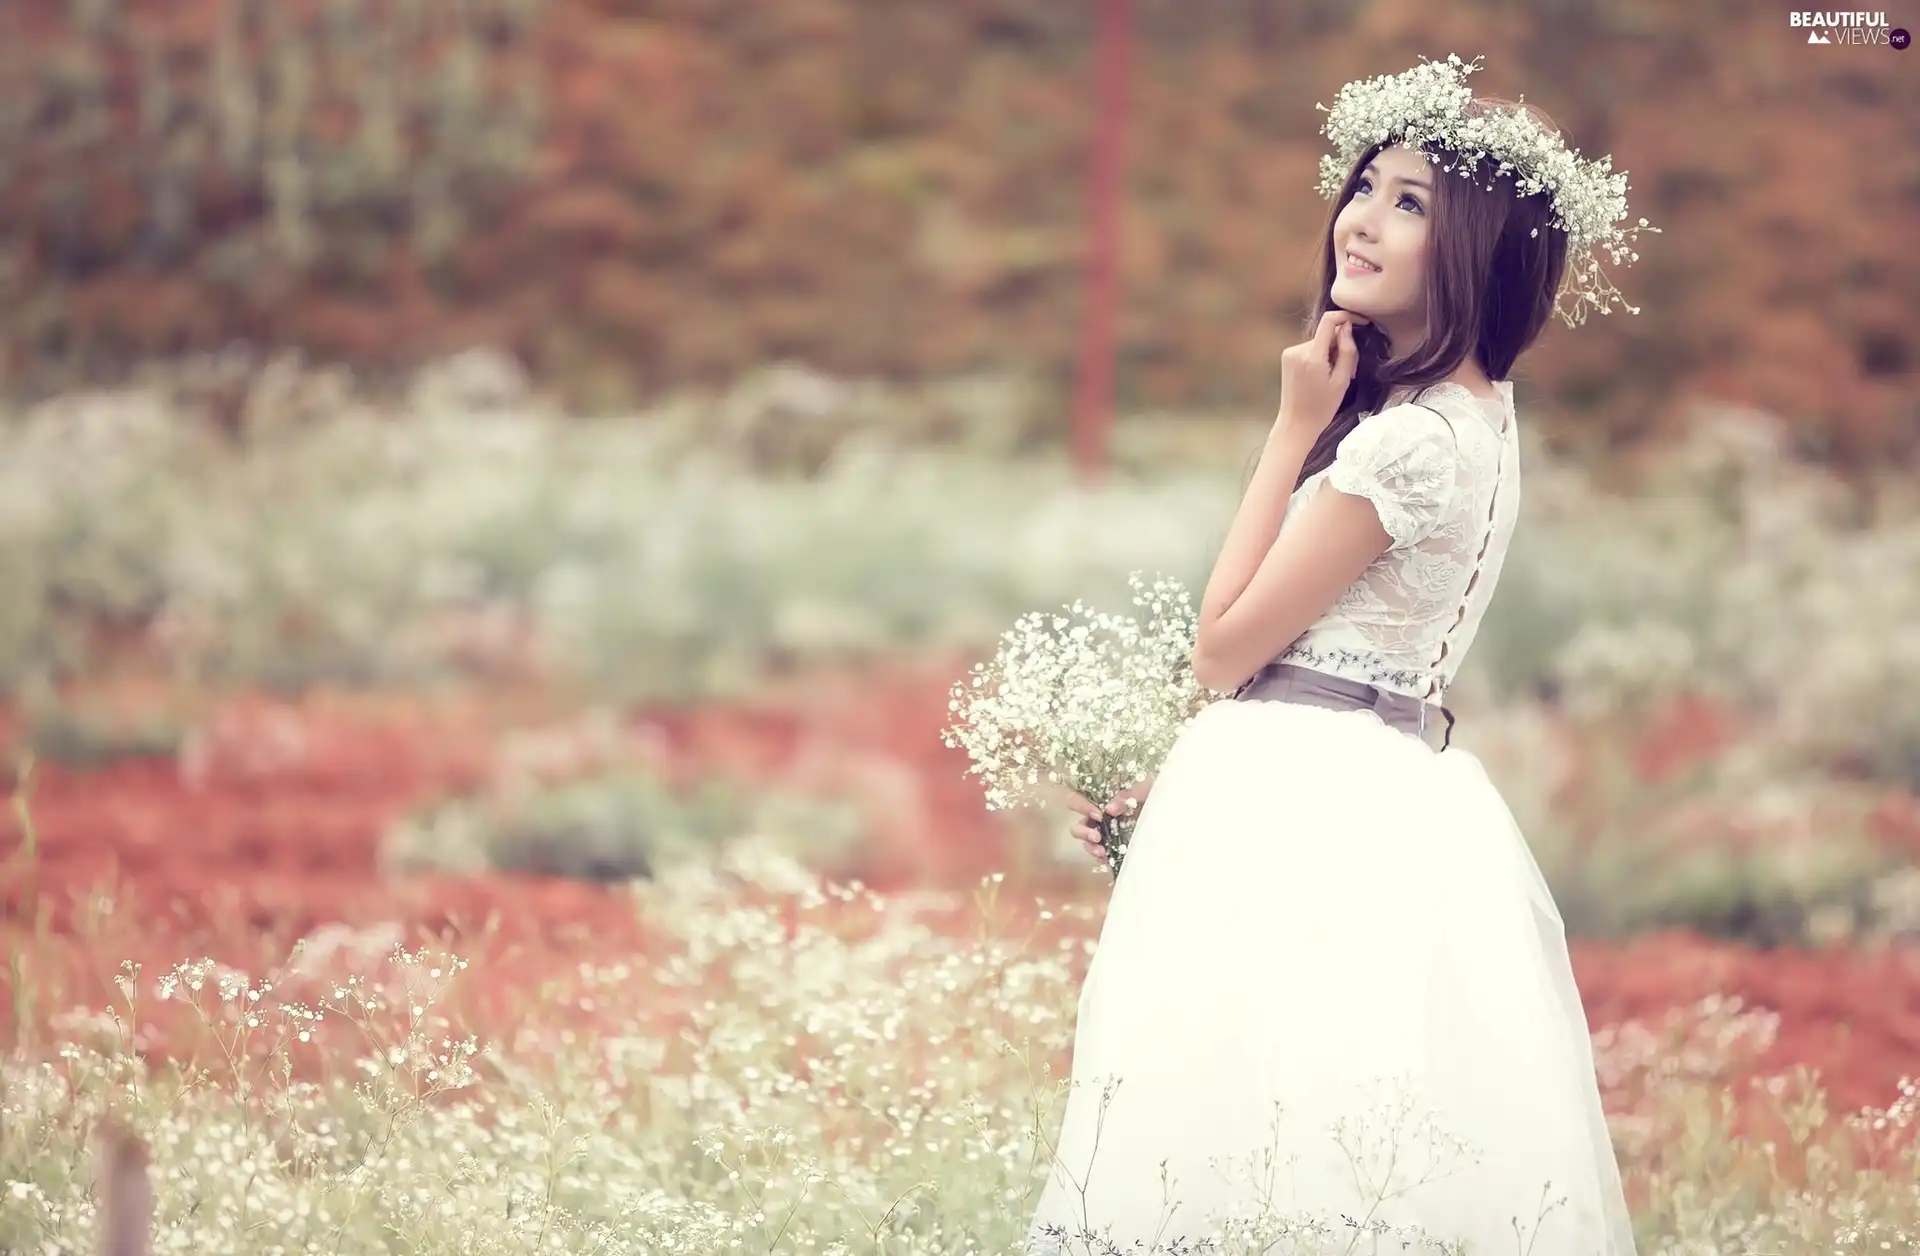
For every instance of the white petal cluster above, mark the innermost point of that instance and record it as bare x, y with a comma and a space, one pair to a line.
1087, 701
1428, 106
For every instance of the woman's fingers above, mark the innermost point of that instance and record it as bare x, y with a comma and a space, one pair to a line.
1082, 828
1078, 802
1326, 337
1347, 356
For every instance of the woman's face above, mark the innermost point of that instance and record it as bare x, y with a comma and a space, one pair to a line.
1386, 222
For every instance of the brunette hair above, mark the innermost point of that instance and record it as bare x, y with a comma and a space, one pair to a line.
1494, 263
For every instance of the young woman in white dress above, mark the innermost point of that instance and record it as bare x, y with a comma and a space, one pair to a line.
1332, 989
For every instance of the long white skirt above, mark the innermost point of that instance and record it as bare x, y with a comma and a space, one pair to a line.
1332, 990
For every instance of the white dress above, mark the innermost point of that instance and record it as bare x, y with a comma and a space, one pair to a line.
1331, 983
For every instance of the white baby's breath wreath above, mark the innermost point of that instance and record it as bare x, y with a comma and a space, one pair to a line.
1428, 104
1088, 701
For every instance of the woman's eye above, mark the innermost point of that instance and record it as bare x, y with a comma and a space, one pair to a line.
1405, 197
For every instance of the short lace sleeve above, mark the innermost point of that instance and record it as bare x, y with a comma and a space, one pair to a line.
1403, 461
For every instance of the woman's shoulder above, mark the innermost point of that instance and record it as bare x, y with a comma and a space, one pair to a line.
1495, 405
1401, 444
1406, 428
1416, 415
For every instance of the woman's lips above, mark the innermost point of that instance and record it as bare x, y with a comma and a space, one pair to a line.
1351, 267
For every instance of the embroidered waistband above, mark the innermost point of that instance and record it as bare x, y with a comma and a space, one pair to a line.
1352, 662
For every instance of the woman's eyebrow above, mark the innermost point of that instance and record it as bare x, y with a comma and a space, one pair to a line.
1412, 183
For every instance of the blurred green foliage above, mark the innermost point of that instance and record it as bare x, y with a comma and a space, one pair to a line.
1778, 892
452, 533
245, 143
468, 527
623, 825
79, 738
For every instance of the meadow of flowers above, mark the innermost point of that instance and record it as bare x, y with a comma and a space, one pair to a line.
800, 1066
423, 680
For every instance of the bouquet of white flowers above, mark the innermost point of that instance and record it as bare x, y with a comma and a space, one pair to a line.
1088, 701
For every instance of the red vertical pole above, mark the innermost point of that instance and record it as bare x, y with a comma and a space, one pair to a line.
1093, 404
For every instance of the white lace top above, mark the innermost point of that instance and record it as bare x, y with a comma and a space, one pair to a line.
1447, 488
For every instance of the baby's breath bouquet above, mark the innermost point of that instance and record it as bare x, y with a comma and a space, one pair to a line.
1084, 700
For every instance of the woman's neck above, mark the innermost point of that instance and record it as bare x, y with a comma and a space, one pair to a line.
1469, 376
1475, 381
1478, 384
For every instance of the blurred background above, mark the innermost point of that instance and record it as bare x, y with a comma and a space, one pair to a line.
456, 457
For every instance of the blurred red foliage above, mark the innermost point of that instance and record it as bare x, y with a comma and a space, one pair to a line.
267, 829
1687, 730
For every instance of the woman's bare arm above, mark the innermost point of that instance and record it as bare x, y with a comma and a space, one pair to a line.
1336, 538
1257, 522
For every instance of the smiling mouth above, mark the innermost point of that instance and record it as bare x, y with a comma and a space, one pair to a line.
1353, 267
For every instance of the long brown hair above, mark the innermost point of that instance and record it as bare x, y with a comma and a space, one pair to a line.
1494, 263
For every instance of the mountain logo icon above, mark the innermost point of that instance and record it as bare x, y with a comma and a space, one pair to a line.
1815, 37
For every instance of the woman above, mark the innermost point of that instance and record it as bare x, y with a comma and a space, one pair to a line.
1331, 996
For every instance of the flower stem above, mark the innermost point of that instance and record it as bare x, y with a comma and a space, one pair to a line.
1115, 832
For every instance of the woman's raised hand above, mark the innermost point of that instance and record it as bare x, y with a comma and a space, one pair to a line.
1314, 374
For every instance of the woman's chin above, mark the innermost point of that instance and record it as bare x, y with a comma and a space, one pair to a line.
1344, 296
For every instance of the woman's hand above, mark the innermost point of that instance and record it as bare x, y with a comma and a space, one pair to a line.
1315, 373
1083, 829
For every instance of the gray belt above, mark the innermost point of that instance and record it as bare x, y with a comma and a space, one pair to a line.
1289, 682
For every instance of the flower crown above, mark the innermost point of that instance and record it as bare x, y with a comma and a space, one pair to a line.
1428, 105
